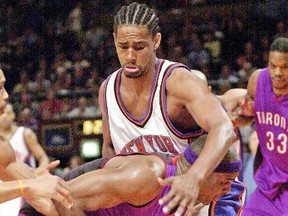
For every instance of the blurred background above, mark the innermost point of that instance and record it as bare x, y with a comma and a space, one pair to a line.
55, 54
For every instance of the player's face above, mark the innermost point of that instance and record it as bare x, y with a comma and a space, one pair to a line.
3, 93
217, 185
136, 50
7, 118
278, 68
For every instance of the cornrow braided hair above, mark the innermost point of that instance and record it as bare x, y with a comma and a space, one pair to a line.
138, 15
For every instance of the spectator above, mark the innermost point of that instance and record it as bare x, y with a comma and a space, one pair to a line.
83, 110
26, 119
25, 83
227, 74
52, 106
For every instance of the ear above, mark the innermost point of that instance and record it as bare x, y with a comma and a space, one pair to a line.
157, 40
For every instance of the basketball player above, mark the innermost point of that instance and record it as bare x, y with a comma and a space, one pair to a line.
268, 88
27, 149
12, 170
153, 104
128, 185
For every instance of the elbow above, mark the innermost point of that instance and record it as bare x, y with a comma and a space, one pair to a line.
230, 133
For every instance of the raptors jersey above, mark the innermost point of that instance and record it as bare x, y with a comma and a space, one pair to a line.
154, 132
271, 116
23, 154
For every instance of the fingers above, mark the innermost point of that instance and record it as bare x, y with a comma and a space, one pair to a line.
62, 194
46, 169
53, 164
165, 182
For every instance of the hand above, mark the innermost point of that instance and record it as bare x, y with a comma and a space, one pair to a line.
246, 105
197, 208
182, 195
243, 114
44, 206
48, 186
42, 170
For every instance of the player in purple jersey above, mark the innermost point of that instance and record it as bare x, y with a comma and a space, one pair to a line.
268, 88
128, 184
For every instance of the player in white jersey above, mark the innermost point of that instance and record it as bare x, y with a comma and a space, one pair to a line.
31, 189
26, 147
162, 104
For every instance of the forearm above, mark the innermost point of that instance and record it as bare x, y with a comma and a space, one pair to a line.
108, 150
18, 170
9, 190
218, 141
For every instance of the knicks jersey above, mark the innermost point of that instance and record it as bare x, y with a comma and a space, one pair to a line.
23, 154
271, 116
154, 132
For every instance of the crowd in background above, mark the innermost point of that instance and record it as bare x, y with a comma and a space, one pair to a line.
55, 54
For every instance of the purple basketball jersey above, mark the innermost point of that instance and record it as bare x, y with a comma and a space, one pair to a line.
271, 116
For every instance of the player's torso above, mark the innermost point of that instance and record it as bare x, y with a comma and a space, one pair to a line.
21, 150
152, 123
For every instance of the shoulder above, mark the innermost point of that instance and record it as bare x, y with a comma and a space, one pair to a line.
182, 76
7, 154
252, 83
28, 132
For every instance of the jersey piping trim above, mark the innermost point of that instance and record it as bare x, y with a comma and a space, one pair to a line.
163, 106
139, 122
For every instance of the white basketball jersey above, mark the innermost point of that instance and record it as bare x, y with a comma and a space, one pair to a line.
22, 153
154, 132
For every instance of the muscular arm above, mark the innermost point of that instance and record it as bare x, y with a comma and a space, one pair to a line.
209, 114
34, 146
243, 114
107, 147
186, 90
9, 168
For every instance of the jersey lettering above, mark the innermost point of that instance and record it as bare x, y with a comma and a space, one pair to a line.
150, 143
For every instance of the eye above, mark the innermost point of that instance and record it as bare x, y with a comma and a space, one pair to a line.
123, 46
139, 47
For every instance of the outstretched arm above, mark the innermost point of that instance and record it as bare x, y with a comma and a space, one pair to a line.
243, 114
47, 186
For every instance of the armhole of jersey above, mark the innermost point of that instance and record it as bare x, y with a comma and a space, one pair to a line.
163, 106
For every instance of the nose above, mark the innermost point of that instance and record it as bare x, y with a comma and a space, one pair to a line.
278, 71
5, 95
131, 55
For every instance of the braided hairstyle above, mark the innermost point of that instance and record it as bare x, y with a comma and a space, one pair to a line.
138, 15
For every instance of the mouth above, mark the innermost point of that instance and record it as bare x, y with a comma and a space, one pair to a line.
131, 69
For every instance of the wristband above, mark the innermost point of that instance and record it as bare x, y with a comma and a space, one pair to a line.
21, 187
